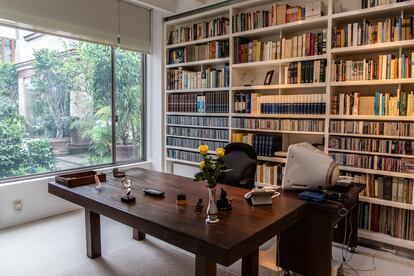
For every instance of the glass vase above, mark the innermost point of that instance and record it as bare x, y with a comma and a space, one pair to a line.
212, 211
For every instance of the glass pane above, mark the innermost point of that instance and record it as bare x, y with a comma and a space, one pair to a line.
8, 50
55, 105
129, 90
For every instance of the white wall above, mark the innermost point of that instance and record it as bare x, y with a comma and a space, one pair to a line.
37, 202
154, 94
7, 32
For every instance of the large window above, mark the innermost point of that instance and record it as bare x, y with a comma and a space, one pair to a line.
57, 109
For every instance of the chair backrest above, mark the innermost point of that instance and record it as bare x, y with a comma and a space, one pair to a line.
242, 160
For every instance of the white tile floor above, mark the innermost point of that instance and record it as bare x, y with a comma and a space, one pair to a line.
56, 246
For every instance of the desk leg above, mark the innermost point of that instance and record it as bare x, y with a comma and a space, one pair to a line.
205, 267
250, 264
138, 235
306, 246
93, 234
354, 220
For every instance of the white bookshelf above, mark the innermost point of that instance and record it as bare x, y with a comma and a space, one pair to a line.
377, 172
380, 11
187, 149
306, 24
280, 86
372, 136
371, 48
272, 159
198, 41
389, 203
196, 126
198, 114
198, 138
387, 239
371, 153
276, 116
181, 161
198, 90
373, 118
373, 82
279, 131
199, 63
351, 13
270, 63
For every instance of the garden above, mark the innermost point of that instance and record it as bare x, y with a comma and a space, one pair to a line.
65, 118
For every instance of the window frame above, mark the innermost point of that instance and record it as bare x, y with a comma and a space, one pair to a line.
3, 49
141, 159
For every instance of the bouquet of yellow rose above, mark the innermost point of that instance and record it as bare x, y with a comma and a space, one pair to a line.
211, 166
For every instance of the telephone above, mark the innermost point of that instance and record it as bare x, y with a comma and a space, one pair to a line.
262, 196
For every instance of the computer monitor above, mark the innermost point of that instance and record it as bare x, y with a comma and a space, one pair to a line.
308, 168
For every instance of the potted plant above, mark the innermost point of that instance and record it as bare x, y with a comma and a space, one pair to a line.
211, 167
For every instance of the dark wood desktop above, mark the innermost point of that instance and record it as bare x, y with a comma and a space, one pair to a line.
239, 233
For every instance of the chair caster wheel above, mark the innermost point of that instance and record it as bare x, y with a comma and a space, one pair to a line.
351, 249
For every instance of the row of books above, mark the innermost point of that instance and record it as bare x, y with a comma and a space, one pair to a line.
200, 30
398, 129
274, 15
208, 78
386, 187
398, 223
209, 102
375, 3
388, 146
307, 44
373, 162
279, 124
198, 121
382, 104
210, 50
193, 143
270, 173
385, 67
254, 103
205, 133
264, 145
365, 33
306, 72
184, 155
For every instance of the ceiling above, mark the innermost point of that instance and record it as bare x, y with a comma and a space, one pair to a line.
171, 7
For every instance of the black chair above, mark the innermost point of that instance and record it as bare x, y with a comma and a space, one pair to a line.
242, 160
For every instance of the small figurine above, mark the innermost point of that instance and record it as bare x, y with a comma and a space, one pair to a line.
126, 183
98, 183
199, 206
118, 173
224, 203
181, 200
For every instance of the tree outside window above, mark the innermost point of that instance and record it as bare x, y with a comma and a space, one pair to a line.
56, 106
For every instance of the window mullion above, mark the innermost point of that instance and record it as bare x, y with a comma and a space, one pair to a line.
113, 102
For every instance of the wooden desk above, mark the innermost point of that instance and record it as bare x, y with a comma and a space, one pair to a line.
306, 246
238, 235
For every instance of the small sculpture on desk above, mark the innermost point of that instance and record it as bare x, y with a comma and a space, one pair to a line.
98, 183
126, 183
224, 203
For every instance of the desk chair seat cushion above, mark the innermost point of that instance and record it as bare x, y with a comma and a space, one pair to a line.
241, 159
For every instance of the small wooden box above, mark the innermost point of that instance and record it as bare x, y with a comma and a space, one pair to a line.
79, 179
